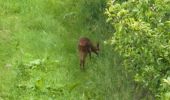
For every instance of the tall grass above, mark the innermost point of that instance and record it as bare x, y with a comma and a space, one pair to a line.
39, 60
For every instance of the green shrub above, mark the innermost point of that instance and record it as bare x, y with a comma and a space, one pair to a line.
142, 39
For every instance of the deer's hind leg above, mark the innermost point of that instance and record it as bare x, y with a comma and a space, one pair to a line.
81, 64
82, 60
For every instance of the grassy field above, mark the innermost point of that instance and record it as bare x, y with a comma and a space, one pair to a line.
39, 57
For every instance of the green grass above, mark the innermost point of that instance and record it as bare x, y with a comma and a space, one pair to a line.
39, 57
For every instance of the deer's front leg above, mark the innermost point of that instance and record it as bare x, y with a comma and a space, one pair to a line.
89, 51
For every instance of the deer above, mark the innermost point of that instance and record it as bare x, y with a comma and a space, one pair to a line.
85, 47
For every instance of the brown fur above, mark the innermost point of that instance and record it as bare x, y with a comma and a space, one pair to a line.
85, 47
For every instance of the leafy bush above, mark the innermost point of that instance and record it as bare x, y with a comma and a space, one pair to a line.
142, 38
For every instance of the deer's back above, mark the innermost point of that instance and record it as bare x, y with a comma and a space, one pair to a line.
84, 44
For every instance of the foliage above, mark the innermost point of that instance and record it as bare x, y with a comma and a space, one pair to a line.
142, 39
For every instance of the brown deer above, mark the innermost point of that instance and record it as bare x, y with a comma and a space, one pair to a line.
85, 47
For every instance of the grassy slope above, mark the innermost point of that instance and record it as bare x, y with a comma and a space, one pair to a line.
38, 53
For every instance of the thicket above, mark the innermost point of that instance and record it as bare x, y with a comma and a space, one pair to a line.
142, 38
